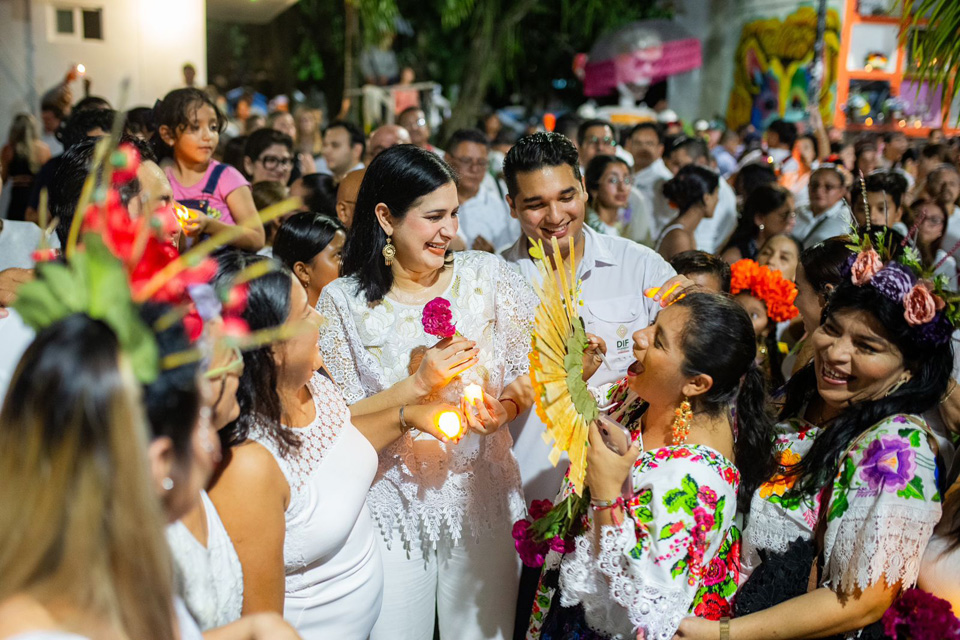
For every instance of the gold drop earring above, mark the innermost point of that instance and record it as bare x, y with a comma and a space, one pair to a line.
389, 252
681, 422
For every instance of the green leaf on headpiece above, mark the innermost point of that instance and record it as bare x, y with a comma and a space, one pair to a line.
93, 283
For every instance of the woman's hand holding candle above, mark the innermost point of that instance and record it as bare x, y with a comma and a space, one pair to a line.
484, 415
443, 421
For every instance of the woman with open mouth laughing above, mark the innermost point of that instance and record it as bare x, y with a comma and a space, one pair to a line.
832, 539
661, 540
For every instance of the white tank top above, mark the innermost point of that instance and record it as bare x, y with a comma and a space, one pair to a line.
334, 573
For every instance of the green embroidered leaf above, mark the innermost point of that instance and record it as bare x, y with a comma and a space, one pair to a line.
643, 515
678, 569
645, 497
914, 489
538, 616
543, 601
718, 514
839, 506
670, 530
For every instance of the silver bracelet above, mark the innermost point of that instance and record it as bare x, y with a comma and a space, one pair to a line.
404, 427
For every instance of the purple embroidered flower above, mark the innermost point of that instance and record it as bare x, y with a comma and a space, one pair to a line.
894, 281
889, 463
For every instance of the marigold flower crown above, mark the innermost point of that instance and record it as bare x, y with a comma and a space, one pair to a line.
765, 284
929, 306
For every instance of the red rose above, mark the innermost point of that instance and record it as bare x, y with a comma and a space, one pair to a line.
712, 607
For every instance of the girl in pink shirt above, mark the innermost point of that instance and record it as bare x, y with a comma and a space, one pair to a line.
190, 123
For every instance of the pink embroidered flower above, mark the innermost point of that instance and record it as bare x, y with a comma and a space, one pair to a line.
919, 306
716, 572
865, 267
437, 318
704, 519
708, 497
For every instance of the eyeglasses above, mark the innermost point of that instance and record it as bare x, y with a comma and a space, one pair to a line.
272, 162
596, 141
614, 181
786, 215
234, 366
468, 163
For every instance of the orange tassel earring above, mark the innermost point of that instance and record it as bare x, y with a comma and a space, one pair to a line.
681, 423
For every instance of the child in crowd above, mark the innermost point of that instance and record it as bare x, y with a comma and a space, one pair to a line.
931, 225
189, 125
767, 297
707, 270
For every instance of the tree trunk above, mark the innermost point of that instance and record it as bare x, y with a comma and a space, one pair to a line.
488, 51
351, 37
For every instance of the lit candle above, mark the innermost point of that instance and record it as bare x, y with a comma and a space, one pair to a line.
449, 424
473, 393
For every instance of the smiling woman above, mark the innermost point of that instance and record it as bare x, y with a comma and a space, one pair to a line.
444, 509
856, 497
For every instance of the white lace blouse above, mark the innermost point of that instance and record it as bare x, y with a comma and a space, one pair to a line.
208, 578
882, 511
428, 490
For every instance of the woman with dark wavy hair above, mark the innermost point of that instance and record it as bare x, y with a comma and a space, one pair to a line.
444, 512
831, 541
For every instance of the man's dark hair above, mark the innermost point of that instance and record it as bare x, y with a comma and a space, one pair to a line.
587, 125
692, 262
695, 147
139, 120
652, 126
144, 148
356, 135
80, 122
939, 151
466, 135
409, 109
262, 139
567, 125
91, 102
53, 108
889, 182
786, 131
67, 184
536, 151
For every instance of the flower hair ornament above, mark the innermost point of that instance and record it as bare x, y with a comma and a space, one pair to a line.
765, 284
928, 305
125, 261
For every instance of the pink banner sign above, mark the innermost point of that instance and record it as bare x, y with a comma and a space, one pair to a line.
643, 66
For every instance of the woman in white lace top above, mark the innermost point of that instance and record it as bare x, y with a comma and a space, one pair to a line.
444, 511
856, 498
292, 493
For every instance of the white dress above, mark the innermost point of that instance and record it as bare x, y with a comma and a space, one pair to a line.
208, 578
334, 574
432, 492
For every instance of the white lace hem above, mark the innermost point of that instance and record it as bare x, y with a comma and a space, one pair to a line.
617, 598
886, 541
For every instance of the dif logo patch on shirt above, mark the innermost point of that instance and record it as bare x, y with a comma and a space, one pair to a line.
623, 342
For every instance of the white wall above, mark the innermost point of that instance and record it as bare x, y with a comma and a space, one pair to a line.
145, 41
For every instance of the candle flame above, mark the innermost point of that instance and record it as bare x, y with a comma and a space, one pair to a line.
473, 393
449, 424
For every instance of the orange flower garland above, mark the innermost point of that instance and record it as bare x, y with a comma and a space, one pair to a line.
767, 285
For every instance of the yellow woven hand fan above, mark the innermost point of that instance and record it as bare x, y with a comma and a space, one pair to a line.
564, 403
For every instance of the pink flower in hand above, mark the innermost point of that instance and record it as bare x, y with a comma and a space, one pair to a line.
865, 267
919, 306
437, 319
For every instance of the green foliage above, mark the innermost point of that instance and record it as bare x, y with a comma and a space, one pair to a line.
935, 46
93, 283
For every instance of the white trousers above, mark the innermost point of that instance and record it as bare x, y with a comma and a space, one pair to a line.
471, 589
